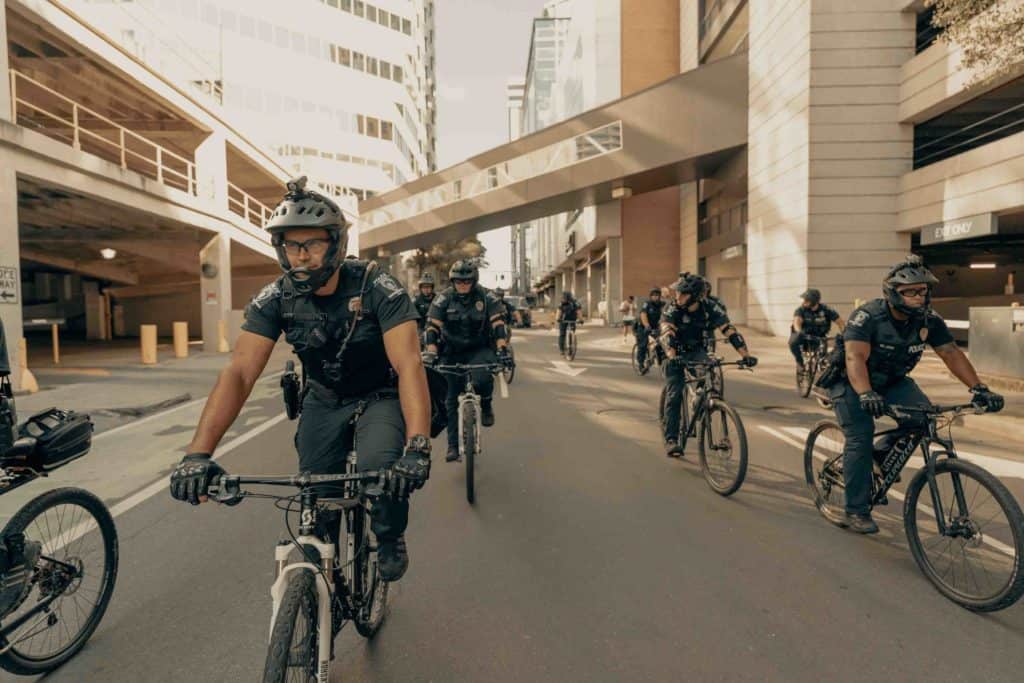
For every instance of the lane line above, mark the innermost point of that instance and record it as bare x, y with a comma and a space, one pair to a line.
162, 484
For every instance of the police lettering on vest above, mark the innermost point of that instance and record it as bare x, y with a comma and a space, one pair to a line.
338, 337
896, 346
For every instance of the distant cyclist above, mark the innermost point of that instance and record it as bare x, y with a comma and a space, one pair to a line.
650, 320
812, 319
568, 311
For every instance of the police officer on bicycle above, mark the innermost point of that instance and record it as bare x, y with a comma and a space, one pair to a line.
568, 311
685, 324
423, 300
512, 314
650, 320
467, 322
884, 340
811, 320
354, 328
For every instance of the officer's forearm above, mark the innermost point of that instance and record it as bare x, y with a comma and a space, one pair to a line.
222, 407
414, 396
958, 364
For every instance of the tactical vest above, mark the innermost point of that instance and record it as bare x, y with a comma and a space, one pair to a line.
341, 345
654, 312
691, 328
816, 322
422, 305
895, 349
466, 324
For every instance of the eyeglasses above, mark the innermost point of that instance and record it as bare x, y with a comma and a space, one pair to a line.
914, 292
314, 247
460, 281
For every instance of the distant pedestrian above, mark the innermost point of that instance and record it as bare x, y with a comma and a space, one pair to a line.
628, 310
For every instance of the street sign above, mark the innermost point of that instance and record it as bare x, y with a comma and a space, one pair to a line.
8, 285
979, 225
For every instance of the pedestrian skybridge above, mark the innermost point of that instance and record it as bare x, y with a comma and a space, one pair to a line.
656, 138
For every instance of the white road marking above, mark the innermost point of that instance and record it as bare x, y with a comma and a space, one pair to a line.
563, 368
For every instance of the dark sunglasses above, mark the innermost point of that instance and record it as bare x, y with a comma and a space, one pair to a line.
914, 292
460, 281
314, 247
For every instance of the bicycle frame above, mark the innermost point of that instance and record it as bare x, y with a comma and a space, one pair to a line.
468, 396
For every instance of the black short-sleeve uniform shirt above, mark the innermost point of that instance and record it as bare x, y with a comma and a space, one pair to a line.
653, 309
466, 321
819, 322
896, 346
689, 329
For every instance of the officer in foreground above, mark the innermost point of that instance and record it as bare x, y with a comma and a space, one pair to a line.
685, 326
812, 319
354, 328
884, 341
467, 323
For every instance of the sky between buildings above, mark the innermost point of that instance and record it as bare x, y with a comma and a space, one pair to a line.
480, 45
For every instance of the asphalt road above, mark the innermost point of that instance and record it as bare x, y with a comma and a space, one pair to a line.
588, 556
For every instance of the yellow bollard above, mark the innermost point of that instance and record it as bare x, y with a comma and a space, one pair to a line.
54, 332
28, 380
222, 337
147, 337
180, 340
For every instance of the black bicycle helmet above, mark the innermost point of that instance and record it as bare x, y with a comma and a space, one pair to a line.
302, 208
692, 285
464, 269
499, 292
426, 279
654, 291
910, 271
812, 295
567, 295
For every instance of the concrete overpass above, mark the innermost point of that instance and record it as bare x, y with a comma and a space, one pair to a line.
656, 138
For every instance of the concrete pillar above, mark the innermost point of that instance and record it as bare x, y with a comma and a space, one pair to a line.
595, 291
212, 171
95, 311
10, 264
613, 277
5, 73
215, 288
828, 221
579, 290
689, 34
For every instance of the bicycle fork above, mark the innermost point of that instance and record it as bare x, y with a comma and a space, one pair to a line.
469, 397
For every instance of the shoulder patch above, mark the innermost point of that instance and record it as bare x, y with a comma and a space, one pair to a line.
440, 299
859, 317
267, 294
389, 284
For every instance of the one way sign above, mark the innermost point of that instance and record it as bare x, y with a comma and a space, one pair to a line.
8, 285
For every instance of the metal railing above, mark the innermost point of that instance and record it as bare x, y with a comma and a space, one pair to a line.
43, 109
557, 156
248, 207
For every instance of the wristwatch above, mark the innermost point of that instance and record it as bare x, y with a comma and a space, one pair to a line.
419, 443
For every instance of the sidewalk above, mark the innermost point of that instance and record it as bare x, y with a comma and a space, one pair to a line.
110, 383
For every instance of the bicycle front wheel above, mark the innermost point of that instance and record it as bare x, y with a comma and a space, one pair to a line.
634, 357
292, 654
469, 448
976, 562
805, 377
370, 589
73, 536
823, 468
722, 447
570, 345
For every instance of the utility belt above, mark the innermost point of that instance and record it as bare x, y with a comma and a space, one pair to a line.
325, 394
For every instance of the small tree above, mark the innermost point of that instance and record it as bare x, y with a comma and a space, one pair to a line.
440, 257
989, 32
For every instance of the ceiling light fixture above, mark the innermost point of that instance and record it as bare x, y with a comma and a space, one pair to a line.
983, 266
108, 253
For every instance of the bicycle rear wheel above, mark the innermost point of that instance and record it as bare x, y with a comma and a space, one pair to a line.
469, 448
77, 561
976, 563
634, 357
805, 376
570, 345
722, 448
823, 468
370, 589
292, 654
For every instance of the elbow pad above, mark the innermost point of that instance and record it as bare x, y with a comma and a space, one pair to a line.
737, 341
432, 336
500, 331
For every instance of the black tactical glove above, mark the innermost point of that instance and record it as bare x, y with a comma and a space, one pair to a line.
748, 362
989, 400
413, 469
429, 358
872, 403
505, 358
191, 479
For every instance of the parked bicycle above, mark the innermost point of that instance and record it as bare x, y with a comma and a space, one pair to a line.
470, 445
964, 528
317, 590
58, 553
722, 440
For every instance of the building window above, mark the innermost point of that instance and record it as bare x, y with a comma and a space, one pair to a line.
406, 27
992, 116
396, 73
359, 8
385, 70
371, 66
387, 131
371, 13
396, 22
358, 62
383, 17
372, 127
344, 56
926, 32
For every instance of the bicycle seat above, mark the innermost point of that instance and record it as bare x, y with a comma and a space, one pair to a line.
21, 448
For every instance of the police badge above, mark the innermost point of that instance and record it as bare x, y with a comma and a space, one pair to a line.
479, 305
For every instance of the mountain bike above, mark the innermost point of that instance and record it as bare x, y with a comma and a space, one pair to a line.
722, 440
569, 350
964, 528
469, 416
58, 553
655, 354
316, 590
509, 371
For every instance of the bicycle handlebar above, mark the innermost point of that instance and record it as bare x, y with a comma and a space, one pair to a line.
226, 488
894, 410
461, 369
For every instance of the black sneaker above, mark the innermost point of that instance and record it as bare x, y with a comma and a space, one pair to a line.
453, 454
392, 559
486, 414
862, 524
672, 448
